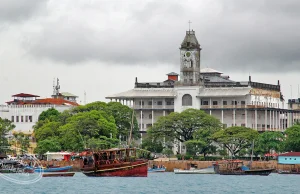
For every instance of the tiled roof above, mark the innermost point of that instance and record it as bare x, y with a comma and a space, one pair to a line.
290, 154
56, 101
25, 95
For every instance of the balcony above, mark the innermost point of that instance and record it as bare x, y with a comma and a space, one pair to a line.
153, 107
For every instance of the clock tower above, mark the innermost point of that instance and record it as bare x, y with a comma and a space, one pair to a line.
190, 60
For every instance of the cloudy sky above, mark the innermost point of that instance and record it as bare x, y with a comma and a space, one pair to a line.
100, 46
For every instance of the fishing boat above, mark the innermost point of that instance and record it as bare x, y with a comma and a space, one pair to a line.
53, 169
209, 170
236, 167
157, 168
14, 166
122, 162
58, 174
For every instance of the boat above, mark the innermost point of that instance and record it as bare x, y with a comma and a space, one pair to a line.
157, 168
14, 166
292, 171
236, 167
58, 174
121, 162
209, 170
53, 169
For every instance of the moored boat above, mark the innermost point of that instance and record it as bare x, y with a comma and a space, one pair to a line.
122, 162
157, 169
236, 167
58, 174
209, 170
53, 169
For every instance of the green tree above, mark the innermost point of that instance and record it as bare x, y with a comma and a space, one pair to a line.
182, 126
5, 127
23, 141
51, 114
50, 144
292, 142
235, 138
267, 141
152, 145
102, 143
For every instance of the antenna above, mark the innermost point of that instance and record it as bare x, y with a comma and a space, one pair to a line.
190, 25
84, 101
54, 86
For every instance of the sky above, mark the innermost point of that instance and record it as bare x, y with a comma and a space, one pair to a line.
99, 47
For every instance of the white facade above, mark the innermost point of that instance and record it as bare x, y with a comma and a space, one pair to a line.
24, 117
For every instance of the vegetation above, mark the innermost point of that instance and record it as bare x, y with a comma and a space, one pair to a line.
5, 127
96, 125
235, 139
292, 141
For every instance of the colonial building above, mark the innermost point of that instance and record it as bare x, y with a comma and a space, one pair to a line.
236, 103
24, 109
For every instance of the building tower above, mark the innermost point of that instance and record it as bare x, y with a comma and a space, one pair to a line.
190, 60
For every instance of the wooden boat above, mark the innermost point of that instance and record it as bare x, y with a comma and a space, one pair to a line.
58, 174
52, 169
122, 162
14, 166
236, 167
209, 170
157, 169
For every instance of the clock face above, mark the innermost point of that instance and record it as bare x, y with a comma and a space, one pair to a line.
188, 54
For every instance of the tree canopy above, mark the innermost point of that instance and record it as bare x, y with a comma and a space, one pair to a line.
267, 141
5, 127
97, 124
235, 138
292, 142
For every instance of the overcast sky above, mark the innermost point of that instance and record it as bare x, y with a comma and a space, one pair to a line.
101, 46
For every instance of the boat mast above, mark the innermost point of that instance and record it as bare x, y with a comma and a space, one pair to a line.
130, 134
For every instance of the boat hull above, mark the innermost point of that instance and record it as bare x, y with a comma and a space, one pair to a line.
127, 169
156, 169
58, 169
58, 174
195, 171
260, 172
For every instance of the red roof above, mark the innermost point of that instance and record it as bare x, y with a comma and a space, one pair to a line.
290, 154
56, 101
25, 95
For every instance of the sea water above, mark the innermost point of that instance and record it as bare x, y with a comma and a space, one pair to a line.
158, 183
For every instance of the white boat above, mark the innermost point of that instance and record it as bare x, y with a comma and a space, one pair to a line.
209, 170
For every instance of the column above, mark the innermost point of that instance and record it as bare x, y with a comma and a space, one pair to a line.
270, 121
266, 119
233, 117
246, 118
255, 117
210, 106
273, 120
222, 112
141, 106
152, 112
288, 120
276, 120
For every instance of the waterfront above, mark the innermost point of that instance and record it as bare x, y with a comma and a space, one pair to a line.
159, 183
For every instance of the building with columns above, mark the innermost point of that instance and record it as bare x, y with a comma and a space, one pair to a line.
236, 103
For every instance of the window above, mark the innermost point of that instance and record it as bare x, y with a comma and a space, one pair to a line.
185, 80
17, 118
26, 119
205, 103
149, 103
234, 103
187, 100
224, 102
159, 102
30, 119
243, 102
170, 102
21, 118
150, 116
12, 119
215, 102
141, 102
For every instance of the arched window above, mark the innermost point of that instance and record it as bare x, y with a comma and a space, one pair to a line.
150, 116
187, 100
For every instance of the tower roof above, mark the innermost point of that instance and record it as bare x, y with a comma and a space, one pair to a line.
190, 40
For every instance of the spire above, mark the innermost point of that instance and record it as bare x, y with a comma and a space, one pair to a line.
190, 41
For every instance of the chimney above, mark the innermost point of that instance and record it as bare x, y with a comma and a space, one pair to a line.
249, 78
136, 80
278, 83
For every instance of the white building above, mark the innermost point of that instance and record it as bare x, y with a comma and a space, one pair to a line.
245, 103
24, 109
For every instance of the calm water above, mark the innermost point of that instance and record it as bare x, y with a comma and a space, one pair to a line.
159, 183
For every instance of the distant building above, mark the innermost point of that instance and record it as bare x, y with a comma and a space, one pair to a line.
25, 109
294, 106
236, 103
289, 158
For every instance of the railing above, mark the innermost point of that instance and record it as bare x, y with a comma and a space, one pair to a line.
153, 107
234, 106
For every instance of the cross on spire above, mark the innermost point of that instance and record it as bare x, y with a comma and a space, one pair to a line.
190, 25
